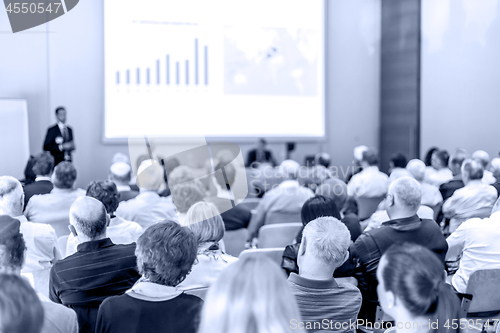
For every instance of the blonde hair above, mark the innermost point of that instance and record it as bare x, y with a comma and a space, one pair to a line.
204, 220
250, 296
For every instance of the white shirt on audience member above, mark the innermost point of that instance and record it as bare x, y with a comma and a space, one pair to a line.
437, 177
41, 244
474, 200
430, 195
477, 240
488, 177
397, 173
119, 231
207, 269
369, 183
147, 208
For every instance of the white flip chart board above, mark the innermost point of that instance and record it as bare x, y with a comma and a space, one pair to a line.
14, 137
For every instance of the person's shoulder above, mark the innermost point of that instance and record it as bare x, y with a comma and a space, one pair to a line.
39, 229
52, 128
229, 258
124, 247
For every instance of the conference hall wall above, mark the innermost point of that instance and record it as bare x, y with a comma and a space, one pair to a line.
460, 99
61, 63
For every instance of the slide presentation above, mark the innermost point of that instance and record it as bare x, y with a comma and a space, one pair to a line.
223, 68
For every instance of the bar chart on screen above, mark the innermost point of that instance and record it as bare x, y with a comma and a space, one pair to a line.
166, 72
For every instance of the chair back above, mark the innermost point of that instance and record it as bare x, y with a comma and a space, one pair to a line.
380, 318
275, 254
200, 292
283, 217
61, 243
234, 241
485, 290
367, 206
278, 235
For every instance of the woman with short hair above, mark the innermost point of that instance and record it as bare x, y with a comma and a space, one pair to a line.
251, 296
165, 254
204, 220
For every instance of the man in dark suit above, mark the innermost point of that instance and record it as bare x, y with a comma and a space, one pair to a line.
59, 138
260, 155
42, 168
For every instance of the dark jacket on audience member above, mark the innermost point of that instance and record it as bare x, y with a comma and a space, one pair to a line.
38, 187
128, 314
447, 189
234, 218
370, 246
83, 280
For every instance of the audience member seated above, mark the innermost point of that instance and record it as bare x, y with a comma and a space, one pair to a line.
119, 230
165, 254
476, 199
148, 207
53, 208
43, 167
260, 155
287, 197
20, 310
430, 194
402, 203
120, 173
438, 173
207, 225
397, 167
12, 256
336, 190
251, 296
324, 247
455, 164
484, 158
495, 169
40, 238
186, 190
357, 158
412, 290
322, 159
313, 208
236, 217
381, 216
370, 182
98, 270
476, 241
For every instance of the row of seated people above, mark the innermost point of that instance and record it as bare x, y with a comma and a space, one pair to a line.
291, 170
136, 288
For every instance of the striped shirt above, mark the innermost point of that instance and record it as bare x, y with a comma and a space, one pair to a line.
98, 270
326, 301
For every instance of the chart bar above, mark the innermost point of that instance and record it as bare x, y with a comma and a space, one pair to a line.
147, 76
187, 72
158, 71
177, 72
138, 75
128, 76
196, 61
168, 69
117, 77
206, 65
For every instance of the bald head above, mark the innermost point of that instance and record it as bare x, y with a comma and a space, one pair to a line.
495, 167
417, 169
150, 175
89, 217
482, 157
404, 196
289, 169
